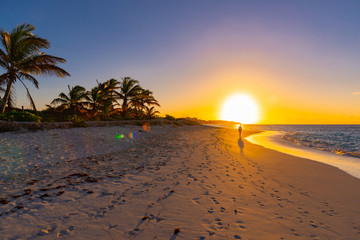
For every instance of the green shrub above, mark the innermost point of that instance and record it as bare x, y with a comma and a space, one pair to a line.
20, 117
77, 121
169, 117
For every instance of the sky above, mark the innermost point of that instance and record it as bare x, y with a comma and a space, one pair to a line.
298, 60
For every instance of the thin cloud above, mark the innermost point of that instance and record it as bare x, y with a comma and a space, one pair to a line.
356, 93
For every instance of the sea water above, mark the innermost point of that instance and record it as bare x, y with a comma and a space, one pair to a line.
338, 139
336, 145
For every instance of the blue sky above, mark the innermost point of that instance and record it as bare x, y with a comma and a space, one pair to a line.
180, 49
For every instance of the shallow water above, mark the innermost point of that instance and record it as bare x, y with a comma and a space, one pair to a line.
275, 141
339, 139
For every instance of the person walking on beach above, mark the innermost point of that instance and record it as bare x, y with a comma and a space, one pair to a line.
240, 130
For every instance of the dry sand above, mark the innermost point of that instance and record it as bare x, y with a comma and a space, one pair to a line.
86, 184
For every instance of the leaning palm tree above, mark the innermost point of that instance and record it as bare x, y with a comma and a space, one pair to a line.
128, 89
74, 101
21, 58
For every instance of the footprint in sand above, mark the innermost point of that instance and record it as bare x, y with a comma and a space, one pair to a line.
43, 232
211, 210
314, 237
219, 223
278, 216
240, 224
293, 232
65, 231
239, 211
196, 200
214, 200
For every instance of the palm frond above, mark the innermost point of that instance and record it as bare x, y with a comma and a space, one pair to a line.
28, 77
33, 60
29, 96
58, 101
47, 69
4, 60
64, 96
5, 41
3, 78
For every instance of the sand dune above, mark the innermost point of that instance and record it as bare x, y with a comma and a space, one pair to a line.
189, 182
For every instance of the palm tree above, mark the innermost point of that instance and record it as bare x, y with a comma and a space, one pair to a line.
95, 98
128, 89
74, 101
20, 56
150, 113
101, 98
143, 98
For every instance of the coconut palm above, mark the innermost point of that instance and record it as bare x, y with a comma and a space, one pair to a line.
95, 98
151, 112
128, 89
107, 90
74, 100
101, 98
141, 99
21, 58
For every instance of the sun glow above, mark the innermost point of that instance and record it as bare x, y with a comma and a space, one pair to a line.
240, 108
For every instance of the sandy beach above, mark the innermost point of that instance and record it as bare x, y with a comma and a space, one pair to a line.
186, 182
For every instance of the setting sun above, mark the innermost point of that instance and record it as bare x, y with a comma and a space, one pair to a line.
240, 108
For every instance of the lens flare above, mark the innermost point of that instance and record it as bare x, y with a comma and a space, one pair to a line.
146, 126
120, 136
133, 135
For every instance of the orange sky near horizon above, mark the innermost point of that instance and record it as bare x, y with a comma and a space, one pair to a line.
277, 103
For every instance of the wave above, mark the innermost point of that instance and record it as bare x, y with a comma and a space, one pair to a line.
340, 143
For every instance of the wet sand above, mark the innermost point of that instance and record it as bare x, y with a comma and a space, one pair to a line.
174, 183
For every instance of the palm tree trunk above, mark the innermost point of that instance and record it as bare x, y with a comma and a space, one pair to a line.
6, 96
124, 106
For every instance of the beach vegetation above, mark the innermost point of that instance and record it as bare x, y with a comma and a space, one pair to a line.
102, 100
128, 89
77, 121
22, 59
109, 100
141, 103
151, 112
169, 117
20, 116
74, 102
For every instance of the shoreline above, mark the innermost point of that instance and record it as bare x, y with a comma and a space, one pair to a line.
204, 181
272, 140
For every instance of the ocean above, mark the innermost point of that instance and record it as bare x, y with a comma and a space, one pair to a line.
338, 139
335, 145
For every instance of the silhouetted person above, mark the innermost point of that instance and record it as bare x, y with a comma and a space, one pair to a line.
240, 130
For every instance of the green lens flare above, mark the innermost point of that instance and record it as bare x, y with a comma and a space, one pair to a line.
120, 136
